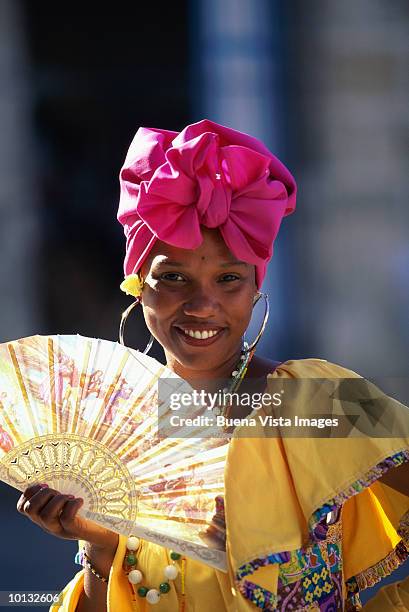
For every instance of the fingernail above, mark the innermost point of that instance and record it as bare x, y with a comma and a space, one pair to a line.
71, 496
43, 484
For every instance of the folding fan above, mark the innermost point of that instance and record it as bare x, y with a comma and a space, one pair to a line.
84, 415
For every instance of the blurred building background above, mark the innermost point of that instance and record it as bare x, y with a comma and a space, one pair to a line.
324, 84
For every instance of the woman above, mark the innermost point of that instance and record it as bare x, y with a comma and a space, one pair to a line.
310, 521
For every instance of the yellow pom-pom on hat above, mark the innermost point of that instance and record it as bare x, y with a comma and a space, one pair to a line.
132, 285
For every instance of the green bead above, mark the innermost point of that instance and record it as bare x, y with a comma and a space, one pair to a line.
131, 560
164, 587
175, 556
142, 591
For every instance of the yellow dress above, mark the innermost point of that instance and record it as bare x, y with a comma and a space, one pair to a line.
282, 552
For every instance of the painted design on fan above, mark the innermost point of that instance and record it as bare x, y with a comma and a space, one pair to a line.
62, 371
123, 392
172, 484
183, 498
6, 443
66, 380
63, 375
168, 504
9, 414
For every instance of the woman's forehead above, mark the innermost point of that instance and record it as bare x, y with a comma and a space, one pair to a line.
212, 248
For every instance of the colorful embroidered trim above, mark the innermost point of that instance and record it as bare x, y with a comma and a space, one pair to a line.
356, 487
308, 578
252, 566
262, 598
322, 534
353, 604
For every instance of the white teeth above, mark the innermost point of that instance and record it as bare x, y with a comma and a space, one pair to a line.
200, 335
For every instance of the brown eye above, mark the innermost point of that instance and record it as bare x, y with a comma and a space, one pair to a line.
229, 277
170, 276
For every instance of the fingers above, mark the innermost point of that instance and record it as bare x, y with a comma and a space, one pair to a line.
58, 506
56, 514
28, 494
44, 507
49, 506
69, 512
33, 506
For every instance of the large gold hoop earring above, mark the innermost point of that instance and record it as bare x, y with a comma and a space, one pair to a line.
122, 326
252, 346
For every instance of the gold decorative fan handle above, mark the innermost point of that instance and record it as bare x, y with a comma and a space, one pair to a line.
83, 467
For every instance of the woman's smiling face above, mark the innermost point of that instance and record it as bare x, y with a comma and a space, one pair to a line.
198, 303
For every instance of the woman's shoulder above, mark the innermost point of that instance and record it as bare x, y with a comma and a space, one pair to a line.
312, 367
309, 367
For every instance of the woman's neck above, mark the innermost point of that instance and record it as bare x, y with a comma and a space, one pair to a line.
258, 368
222, 371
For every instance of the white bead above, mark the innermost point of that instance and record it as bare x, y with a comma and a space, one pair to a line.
171, 571
234, 373
132, 543
135, 577
153, 596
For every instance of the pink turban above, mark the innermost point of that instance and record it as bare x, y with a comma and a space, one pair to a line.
210, 175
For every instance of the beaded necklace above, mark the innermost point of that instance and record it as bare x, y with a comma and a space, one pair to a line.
135, 576
171, 571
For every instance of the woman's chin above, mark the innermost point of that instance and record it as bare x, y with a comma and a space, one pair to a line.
198, 363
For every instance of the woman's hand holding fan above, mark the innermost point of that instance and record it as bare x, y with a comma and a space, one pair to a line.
84, 416
57, 514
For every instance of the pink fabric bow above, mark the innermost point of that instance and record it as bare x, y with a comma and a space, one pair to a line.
208, 175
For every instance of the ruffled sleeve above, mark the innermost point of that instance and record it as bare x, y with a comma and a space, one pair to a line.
308, 523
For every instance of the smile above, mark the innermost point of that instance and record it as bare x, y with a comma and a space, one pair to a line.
197, 337
200, 334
